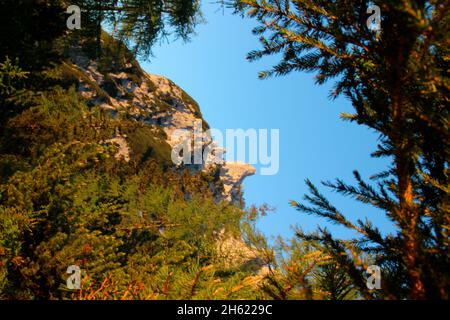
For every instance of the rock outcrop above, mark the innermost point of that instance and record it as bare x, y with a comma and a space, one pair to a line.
154, 100
127, 91
232, 175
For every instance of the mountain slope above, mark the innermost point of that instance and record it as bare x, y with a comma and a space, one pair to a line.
87, 180
125, 89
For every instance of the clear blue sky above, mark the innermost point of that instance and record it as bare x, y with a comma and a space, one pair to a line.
314, 142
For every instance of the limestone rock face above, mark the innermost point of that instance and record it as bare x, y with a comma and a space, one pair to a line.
165, 108
155, 101
232, 175
234, 252
123, 151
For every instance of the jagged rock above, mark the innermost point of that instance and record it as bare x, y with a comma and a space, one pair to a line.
123, 152
235, 253
232, 175
158, 102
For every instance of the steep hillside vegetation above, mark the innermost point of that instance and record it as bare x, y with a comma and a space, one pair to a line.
87, 180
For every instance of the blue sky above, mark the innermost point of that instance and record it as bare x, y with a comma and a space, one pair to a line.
314, 142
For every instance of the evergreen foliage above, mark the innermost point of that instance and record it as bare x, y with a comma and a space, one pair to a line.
398, 83
139, 23
144, 230
70, 202
137, 229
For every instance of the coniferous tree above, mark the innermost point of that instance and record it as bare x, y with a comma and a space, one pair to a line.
137, 229
140, 23
28, 29
397, 80
334, 282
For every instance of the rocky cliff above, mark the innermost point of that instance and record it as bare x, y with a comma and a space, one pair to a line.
125, 89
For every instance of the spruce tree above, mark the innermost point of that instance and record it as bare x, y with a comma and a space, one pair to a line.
139, 23
397, 80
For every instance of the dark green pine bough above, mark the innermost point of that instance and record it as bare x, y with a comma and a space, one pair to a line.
398, 84
140, 23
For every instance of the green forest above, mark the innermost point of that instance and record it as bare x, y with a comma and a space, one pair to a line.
141, 228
